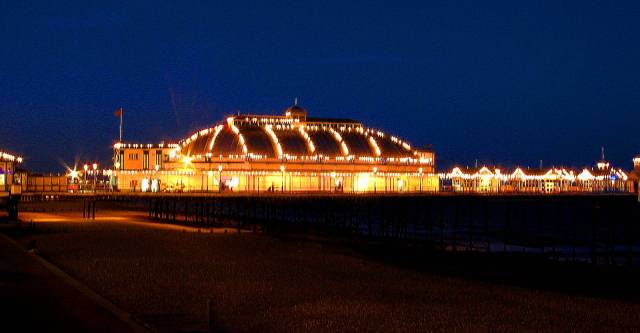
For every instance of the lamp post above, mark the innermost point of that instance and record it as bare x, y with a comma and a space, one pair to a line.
420, 172
157, 168
219, 178
85, 168
375, 183
115, 174
95, 176
282, 170
333, 182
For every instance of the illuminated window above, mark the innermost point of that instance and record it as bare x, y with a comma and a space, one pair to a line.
145, 160
121, 160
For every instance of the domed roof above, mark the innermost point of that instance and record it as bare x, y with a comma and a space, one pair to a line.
296, 108
292, 137
296, 112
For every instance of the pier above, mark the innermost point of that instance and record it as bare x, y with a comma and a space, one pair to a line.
596, 229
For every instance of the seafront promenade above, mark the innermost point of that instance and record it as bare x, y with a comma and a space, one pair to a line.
173, 277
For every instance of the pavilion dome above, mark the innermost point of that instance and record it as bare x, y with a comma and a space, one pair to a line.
296, 112
295, 108
293, 136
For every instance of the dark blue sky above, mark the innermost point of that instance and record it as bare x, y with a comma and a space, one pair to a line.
501, 81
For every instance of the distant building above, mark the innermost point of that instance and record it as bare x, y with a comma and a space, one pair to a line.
495, 180
290, 152
602, 178
478, 180
10, 176
552, 180
634, 176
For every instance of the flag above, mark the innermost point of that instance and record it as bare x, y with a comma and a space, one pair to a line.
118, 112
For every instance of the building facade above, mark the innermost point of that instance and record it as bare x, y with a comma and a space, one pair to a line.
602, 178
281, 153
10, 177
634, 176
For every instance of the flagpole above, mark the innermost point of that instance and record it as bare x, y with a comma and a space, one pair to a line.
121, 112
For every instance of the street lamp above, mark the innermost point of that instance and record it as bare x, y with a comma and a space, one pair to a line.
157, 168
95, 176
209, 176
114, 179
282, 170
86, 168
333, 181
219, 178
375, 183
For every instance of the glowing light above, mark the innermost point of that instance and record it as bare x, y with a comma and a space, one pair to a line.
585, 175
274, 140
344, 149
73, 174
363, 182
215, 135
310, 146
603, 165
95, 166
236, 130
484, 172
10, 158
343, 146
233, 182
374, 146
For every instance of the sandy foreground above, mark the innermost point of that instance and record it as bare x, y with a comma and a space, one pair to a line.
166, 275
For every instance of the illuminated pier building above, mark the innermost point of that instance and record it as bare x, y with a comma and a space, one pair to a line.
634, 175
9, 176
602, 178
281, 153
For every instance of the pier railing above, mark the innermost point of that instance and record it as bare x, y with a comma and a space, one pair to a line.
598, 229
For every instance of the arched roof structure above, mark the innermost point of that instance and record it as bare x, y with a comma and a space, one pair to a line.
294, 136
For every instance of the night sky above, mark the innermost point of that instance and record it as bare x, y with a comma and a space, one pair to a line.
508, 82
